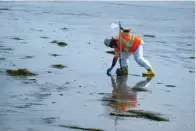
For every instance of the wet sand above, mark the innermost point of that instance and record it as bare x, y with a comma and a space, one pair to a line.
74, 95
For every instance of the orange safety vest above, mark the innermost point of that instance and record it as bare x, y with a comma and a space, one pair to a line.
129, 43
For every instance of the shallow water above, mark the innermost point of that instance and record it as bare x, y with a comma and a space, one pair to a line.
73, 95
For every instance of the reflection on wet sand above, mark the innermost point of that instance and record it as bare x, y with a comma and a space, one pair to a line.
123, 96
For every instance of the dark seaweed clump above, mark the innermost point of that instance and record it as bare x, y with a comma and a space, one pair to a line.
59, 66
170, 85
59, 43
20, 72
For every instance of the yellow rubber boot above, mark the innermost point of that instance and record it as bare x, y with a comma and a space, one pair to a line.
125, 71
149, 78
150, 72
122, 72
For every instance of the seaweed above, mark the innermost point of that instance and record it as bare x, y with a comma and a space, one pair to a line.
2, 58
44, 37
80, 128
55, 55
149, 35
59, 66
17, 38
141, 114
4, 9
149, 115
170, 85
59, 43
27, 57
192, 57
110, 52
20, 72
54, 41
62, 43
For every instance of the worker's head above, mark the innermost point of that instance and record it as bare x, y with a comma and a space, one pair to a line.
126, 31
111, 42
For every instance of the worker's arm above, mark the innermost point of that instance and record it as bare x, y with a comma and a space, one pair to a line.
114, 61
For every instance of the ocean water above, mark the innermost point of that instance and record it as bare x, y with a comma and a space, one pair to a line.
72, 96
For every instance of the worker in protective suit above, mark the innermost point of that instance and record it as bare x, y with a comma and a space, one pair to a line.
125, 47
123, 95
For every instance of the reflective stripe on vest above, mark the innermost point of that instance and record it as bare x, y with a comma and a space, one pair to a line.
128, 43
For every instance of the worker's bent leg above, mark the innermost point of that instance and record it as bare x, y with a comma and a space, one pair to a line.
138, 56
124, 59
124, 63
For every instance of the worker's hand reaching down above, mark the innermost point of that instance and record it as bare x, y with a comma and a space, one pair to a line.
109, 70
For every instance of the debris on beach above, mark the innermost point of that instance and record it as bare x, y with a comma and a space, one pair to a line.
149, 35
27, 57
192, 71
64, 28
34, 80
20, 72
6, 49
59, 66
104, 93
24, 106
110, 52
2, 58
192, 57
166, 90
4, 9
55, 55
36, 29
170, 85
17, 38
160, 41
27, 105
44, 37
141, 114
59, 43
80, 128
49, 120
67, 82
54, 41
62, 43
